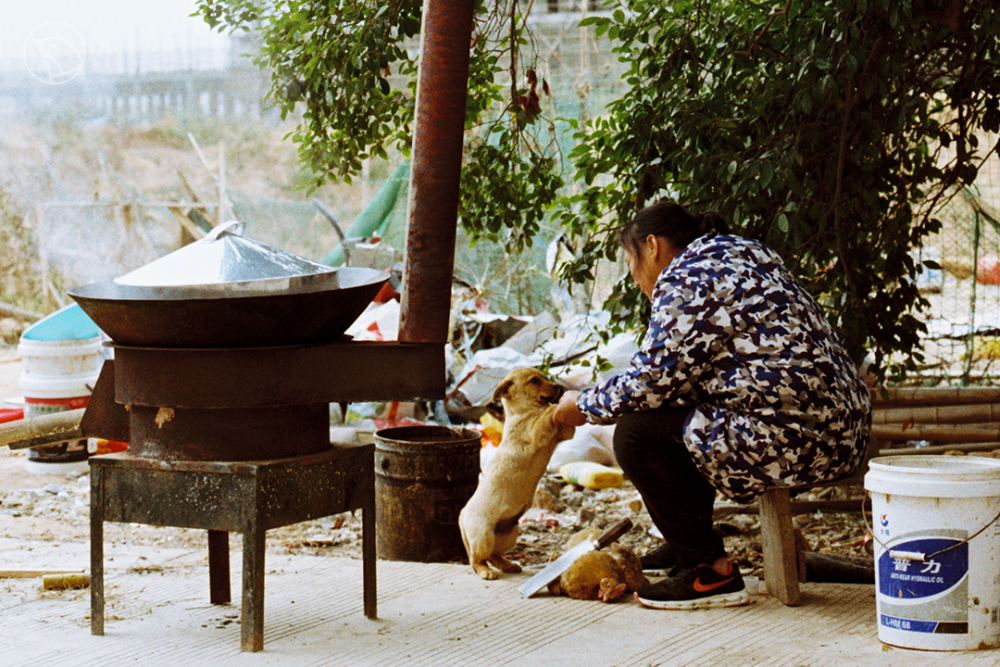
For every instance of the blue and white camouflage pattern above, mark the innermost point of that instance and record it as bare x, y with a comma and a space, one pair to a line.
776, 398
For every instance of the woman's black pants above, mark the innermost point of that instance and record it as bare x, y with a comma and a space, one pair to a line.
650, 449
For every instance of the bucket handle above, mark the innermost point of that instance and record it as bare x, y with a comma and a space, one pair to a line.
915, 555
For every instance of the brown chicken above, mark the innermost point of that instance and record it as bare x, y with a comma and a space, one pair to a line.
604, 575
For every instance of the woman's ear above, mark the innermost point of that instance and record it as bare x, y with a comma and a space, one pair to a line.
652, 245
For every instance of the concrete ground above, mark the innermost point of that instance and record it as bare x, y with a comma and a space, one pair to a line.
158, 613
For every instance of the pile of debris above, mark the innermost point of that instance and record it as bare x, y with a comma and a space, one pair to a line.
484, 347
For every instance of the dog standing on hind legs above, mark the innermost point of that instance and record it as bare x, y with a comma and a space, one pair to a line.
488, 522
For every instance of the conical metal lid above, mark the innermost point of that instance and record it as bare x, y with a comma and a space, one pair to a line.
226, 261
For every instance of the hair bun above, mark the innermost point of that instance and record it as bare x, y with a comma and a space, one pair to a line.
706, 223
712, 222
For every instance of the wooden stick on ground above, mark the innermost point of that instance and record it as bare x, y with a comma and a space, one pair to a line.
31, 574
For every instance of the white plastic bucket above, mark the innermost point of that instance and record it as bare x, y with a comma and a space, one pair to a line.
937, 558
54, 391
60, 357
45, 394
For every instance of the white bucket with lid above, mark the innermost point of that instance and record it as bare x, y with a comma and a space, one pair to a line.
937, 557
61, 359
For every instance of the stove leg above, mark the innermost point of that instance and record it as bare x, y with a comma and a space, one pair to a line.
252, 623
96, 552
218, 567
368, 555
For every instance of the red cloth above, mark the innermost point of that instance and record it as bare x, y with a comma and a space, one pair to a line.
988, 270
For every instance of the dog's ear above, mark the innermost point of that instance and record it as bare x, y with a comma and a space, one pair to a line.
501, 391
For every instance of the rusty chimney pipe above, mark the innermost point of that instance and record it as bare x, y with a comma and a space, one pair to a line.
442, 87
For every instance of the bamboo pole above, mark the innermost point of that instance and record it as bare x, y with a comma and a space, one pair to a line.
796, 506
187, 186
186, 224
10, 310
60, 301
42, 430
939, 414
938, 432
964, 447
201, 156
937, 396
223, 209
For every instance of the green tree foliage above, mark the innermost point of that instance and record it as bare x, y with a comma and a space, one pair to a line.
833, 131
334, 59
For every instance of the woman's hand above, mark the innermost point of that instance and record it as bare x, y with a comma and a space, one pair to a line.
567, 413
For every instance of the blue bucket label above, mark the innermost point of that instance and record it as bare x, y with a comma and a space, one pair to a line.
925, 596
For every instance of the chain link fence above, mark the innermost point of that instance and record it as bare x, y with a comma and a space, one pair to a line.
962, 346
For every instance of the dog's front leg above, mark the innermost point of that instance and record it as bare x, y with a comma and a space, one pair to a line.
506, 533
479, 545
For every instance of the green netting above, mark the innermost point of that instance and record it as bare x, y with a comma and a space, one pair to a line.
509, 284
384, 217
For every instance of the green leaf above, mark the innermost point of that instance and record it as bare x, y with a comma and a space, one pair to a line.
766, 174
783, 223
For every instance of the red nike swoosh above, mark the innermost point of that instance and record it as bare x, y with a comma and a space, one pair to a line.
701, 588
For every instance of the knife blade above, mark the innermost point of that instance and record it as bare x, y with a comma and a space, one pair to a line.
552, 571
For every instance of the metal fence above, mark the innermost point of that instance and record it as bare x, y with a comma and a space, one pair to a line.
963, 341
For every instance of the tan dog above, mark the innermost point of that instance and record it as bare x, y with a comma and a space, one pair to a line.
507, 487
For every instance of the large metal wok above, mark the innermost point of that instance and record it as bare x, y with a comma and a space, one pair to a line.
228, 291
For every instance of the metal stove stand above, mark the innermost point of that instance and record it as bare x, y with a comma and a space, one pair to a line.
248, 497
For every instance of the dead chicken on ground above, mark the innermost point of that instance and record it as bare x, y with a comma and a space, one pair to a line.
604, 575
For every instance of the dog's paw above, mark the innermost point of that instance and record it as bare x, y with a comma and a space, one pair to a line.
505, 565
487, 574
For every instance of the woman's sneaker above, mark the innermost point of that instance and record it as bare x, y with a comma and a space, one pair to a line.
697, 587
660, 560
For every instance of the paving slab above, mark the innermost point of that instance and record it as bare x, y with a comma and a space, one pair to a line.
439, 615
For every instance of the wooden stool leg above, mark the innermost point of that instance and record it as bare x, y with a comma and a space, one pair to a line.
96, 552
218, 567
252, 623
781, 566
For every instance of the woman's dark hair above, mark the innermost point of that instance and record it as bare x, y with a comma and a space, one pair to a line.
672, 222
